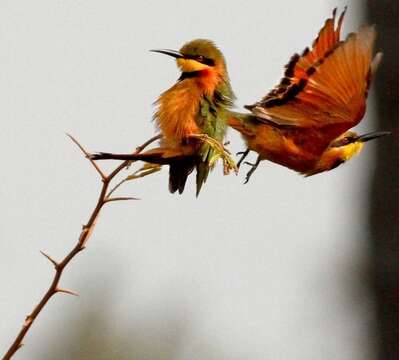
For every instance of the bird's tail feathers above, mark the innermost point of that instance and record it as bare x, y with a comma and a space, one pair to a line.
162, 156
203, 169
203, 165
179, 170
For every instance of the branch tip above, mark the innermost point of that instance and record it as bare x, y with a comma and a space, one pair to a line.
120, 199
49, 258
104, 177
66, 291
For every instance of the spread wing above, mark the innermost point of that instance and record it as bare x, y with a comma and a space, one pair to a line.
298, 66
325, 87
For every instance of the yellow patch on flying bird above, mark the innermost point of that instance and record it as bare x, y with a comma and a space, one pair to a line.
351, 149
190, 65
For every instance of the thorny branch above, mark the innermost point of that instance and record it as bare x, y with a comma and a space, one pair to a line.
87, 229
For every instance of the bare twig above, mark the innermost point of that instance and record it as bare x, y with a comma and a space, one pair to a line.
49, 258
87, 229
118, 185
148, 142
108, 200
100, 172
65, 291
146, 170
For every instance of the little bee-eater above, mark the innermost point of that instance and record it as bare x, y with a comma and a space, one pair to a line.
303, 123
192, 116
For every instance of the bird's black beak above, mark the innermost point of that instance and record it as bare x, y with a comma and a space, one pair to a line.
172, 53
372, 135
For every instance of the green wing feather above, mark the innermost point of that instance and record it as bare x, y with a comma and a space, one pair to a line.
213, 119
214, 126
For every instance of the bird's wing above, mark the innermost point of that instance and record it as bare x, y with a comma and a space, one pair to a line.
327, 86
212, 124
326, 41
297, 68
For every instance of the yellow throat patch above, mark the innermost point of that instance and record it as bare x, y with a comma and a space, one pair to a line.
190, 65
352, 149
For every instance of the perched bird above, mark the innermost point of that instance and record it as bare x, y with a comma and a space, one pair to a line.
303, 122
191, 116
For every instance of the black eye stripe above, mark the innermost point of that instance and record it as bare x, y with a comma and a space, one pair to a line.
201, 59
344, 141
209, 62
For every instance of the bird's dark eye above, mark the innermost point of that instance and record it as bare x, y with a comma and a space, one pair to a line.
202, 59
342, 142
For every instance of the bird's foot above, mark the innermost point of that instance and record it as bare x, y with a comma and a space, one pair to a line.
253, 168
243, 154
219, 152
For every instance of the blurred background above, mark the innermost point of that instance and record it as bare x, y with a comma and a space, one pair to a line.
282, 268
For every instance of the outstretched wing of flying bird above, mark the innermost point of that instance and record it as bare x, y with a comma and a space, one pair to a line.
326, 87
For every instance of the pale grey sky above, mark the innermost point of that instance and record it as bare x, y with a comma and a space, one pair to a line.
269, 270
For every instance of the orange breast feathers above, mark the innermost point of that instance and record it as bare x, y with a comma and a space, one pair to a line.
177, 111
209, 79
280, 146
273, 145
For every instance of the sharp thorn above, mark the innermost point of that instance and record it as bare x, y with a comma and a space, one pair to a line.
65, 291
49, 258
120, 199
28, 320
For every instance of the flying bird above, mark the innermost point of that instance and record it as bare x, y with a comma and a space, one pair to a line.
304, 122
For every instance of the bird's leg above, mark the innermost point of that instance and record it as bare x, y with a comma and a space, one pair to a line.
254, 167
243, 154
220, 152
